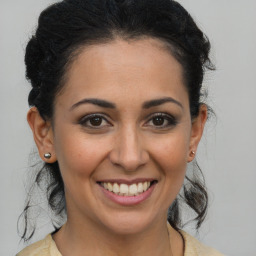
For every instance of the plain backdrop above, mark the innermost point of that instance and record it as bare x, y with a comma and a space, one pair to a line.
227, 153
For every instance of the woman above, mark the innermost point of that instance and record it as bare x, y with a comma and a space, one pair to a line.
116, 115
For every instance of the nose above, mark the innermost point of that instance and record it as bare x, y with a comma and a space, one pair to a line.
128, 151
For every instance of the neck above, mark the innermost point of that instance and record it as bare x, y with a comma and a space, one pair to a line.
82, 239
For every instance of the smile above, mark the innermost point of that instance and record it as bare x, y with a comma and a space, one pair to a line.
122, 189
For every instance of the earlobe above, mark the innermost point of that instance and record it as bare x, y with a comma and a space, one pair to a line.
43, 135
197, 129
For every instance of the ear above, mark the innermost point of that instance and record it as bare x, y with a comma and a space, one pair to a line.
43, 135
197, 129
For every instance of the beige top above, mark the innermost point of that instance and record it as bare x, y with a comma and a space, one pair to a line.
47, 247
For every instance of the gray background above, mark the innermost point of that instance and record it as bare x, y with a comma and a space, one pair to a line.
227, 153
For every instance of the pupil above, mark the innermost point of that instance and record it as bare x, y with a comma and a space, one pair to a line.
96, 121
158, 120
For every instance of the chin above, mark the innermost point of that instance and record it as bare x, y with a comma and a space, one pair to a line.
129, 223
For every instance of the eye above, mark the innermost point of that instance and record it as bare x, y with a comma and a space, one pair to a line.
94, 121
161, 120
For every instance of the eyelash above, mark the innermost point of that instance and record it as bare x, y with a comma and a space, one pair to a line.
90, 117
171, 121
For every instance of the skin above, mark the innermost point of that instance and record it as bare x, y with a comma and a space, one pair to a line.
126, 145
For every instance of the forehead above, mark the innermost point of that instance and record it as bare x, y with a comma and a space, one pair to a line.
124, 69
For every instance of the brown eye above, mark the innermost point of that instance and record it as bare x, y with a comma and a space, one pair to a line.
161, 121
95, 121
158, 120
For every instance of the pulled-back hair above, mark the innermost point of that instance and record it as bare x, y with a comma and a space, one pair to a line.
66, 27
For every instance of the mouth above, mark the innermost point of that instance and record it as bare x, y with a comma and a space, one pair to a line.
127, 189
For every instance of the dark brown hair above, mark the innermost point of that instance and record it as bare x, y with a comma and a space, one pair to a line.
65, 27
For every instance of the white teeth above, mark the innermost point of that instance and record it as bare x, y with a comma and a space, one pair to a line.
145, 186
133, 189
124, 189
127, 190
110, 187
116, 188
140, 187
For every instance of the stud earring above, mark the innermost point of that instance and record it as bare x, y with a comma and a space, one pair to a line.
47, 155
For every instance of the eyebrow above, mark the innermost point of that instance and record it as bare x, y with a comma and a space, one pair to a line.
98, 102
107, 104
157, 102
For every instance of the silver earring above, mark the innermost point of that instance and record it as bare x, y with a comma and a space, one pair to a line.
193, 152
47, 155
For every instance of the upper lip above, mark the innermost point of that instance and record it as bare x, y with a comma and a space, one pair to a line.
125, 181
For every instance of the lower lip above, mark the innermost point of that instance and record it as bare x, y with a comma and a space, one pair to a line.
128, 200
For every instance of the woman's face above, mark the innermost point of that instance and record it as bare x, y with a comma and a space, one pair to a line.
123, 135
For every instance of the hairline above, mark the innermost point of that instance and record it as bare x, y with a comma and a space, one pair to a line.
73, 52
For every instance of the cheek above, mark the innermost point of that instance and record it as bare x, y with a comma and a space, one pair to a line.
78, 155
171, 155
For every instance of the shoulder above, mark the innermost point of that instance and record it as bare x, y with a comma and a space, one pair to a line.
194, 247
45, 247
